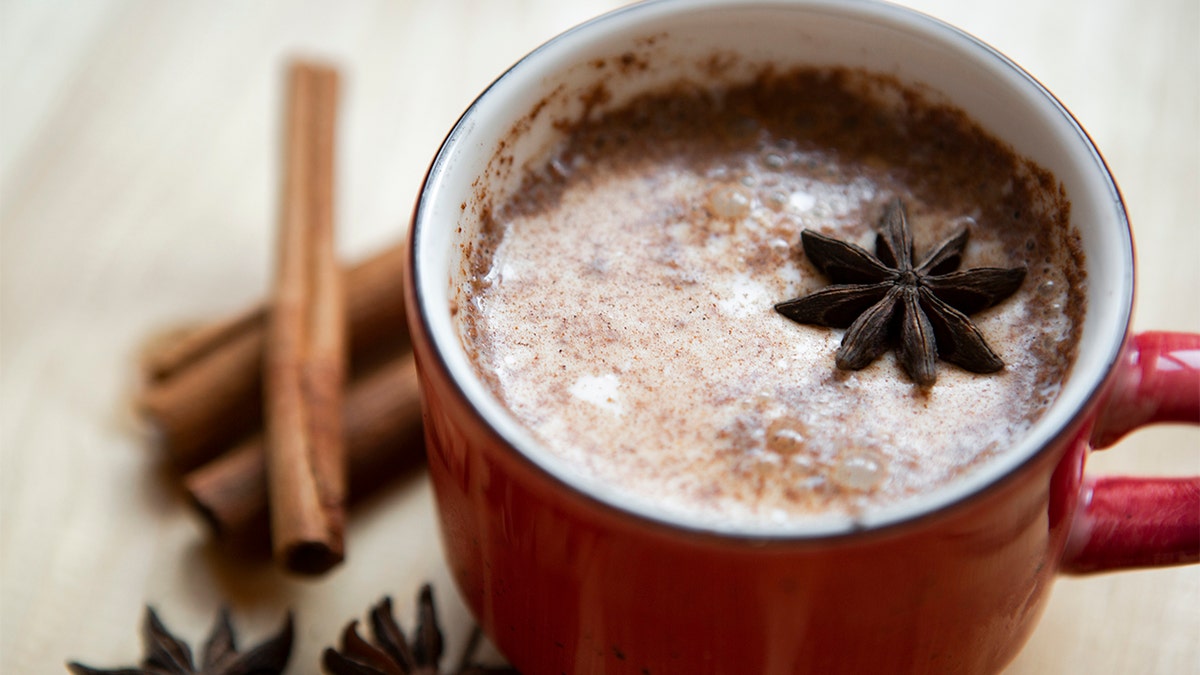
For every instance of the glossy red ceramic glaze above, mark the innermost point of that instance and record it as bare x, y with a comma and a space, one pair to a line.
564, 583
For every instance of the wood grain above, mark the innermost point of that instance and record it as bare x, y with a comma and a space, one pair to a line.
138, 163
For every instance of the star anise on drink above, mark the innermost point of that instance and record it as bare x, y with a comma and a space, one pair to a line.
168, 655
884, 300
393, 654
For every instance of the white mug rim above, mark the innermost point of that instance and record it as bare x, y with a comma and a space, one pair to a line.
1085, 389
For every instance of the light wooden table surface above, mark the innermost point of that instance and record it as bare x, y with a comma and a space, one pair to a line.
138, 174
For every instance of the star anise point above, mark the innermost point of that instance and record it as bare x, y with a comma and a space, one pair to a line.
389, 652
883, 300
167, 654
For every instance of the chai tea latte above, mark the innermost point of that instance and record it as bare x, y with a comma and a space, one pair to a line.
621, 303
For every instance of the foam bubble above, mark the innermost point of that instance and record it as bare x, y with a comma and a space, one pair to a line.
729, 202
861, 471
786, 436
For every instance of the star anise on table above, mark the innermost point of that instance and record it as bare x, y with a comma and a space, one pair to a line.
884, 300
393, 654
168, 655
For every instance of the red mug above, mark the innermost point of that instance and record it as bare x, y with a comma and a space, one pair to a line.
567, 579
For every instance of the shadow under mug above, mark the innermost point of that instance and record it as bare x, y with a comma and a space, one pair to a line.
566, 579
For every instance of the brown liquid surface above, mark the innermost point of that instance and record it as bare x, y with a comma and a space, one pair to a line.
622, 303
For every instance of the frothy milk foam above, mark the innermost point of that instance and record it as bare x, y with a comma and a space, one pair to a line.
622, 304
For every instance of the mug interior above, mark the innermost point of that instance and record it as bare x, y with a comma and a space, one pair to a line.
604, 63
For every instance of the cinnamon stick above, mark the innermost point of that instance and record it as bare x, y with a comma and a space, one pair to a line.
201, 409
183, 349
203, 389
305, 351
382, 434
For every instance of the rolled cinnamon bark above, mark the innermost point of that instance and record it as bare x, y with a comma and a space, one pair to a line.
383, 438
304, 356
203, 390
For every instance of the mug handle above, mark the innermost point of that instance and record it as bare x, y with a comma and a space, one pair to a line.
1127, 522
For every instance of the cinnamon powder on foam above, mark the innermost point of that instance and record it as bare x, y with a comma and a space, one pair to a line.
622, 302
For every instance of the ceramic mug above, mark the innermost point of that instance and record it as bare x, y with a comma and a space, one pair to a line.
567, 579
